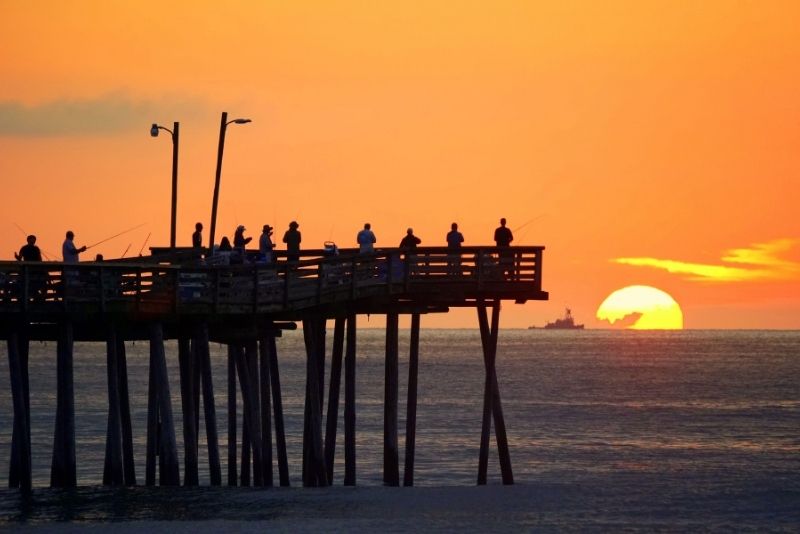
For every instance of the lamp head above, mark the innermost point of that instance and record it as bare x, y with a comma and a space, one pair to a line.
242, 121
154, 130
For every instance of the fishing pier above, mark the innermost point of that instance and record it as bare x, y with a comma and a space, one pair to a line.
173, 294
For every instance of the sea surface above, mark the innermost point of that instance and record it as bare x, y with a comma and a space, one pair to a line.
608, 430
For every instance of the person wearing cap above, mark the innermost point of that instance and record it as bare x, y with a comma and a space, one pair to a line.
240, 242
366, 239
292, 239
265, 244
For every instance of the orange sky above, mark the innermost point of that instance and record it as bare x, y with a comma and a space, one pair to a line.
632, 131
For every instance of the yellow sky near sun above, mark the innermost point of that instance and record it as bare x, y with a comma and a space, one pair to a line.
663, 130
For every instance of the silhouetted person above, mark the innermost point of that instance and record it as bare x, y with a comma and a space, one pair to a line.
292, 239
98, 258
366, 239
197, 236
225, 245
29, 252
454, 240
69, 251
265, 244
410, 241
222, 253
503, 237
240, 242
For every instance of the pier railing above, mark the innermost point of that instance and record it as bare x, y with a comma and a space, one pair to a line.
432, 274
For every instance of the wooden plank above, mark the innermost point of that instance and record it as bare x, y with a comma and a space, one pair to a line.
350, 404
333, 395
391, 472
411, 404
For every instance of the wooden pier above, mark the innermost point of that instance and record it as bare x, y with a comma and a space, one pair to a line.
176, 296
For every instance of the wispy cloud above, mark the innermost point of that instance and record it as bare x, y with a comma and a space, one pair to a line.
761, 261
107, 114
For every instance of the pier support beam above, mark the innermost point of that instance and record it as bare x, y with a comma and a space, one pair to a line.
251, 437
113, 474
128, 464
20, 471
350, 403
277, 404
314, 472
160, 426
63, 472
266, 408
333, 395
187, 363
391, 470
411, 404
492, 407
203, 359
232, 470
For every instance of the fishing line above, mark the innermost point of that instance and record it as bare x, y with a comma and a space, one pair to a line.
126, 250
115, 235
46, 255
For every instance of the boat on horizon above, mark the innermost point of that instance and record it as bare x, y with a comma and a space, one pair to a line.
565, 323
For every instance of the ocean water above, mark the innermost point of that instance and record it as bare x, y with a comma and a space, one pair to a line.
607, 429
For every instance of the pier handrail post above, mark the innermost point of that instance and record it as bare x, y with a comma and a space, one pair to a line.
479, 268
255, 288
537, 275
25, 287
353, 278
320, 280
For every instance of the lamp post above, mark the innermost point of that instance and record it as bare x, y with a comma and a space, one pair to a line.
224, 122
175, 132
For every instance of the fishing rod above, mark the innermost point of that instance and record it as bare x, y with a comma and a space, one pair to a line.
126, 250
115, 235
520, 227
146, 239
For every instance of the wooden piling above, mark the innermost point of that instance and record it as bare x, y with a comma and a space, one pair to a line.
128, 464
315, 473
411, 404
492, 408
113, 472
256, 436
251, 435
20, 476
277, 403
186, 365
333, 395
391, 472
63, 473
152, 423
232, 471
204, 359
350, 404
168, 449
266, 408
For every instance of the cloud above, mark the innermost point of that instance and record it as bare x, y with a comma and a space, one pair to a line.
107, 114
761, 261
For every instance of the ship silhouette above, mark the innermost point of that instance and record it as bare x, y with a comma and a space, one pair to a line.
564, 323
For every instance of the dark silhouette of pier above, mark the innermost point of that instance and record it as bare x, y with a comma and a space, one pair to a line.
172, 295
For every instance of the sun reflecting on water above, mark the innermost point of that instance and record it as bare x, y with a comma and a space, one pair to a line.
641, 308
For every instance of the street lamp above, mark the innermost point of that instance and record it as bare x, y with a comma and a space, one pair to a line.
175, 132
222, 127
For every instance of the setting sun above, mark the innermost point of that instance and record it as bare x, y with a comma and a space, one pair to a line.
641, 308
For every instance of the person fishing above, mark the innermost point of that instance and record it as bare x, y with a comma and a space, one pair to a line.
240, 242
29, 252
292, 238
69, 251
503, 238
